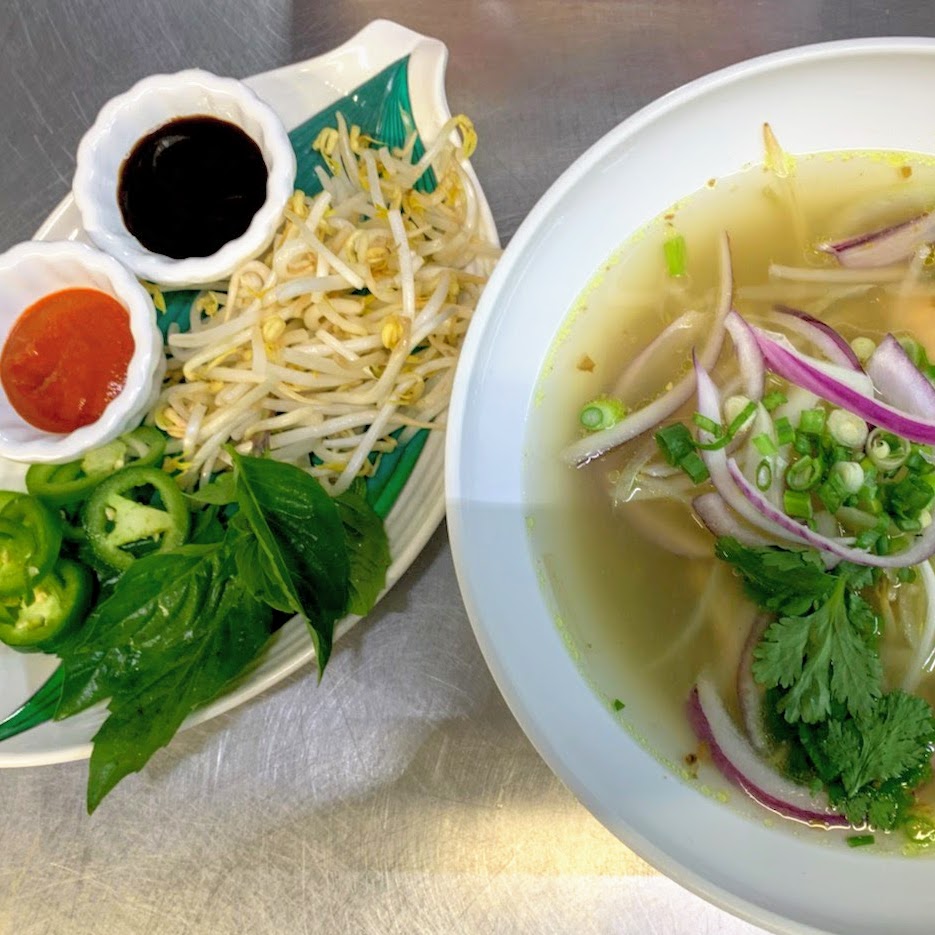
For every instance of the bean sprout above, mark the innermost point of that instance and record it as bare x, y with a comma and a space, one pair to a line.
348, 329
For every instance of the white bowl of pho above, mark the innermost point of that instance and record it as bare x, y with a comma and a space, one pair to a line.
700, 562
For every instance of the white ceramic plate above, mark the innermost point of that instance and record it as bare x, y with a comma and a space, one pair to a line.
295, 93
849, 95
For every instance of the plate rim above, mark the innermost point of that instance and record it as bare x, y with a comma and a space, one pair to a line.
384, 42
484, 320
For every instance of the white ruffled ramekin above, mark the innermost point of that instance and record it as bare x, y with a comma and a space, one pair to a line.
150, 104
32, 270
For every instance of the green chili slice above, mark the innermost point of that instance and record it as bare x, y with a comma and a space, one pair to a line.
72, 483
30, 539
137, 511
58, 606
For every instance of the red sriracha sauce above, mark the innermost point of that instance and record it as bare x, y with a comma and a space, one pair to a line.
66, 358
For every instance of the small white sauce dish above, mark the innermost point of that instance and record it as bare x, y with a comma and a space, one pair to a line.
32, 270
148, 105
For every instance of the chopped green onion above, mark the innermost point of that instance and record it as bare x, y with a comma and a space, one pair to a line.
707, 425
774, 400
914, 351
867, 539
867, 493
618, 705
785, 433
721, 441
906, 575
764, 475
908, 497
764, 444
675, 442
812, 421
908, 525
601, 413
797, 503
694, 467
837, 453
832, 493
675, 253
847, 429
678, 448
803, 474
851, 475
887, 451
802, 444
860, 840
884, 545
738, 422
917, 463
873, 506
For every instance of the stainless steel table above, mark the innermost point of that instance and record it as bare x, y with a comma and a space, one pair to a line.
399, 795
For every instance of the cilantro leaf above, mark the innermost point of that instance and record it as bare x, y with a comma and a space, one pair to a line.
820, 658
825, 710
882, 808
870, 764
778, 580
780, 656
890, 739
857, 576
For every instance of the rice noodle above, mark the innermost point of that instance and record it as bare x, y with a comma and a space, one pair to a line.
348, 328
922, 658
837, 275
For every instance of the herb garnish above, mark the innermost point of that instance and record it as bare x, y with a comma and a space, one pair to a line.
868, 748
180, 626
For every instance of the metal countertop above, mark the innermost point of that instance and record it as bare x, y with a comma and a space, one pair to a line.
399, 795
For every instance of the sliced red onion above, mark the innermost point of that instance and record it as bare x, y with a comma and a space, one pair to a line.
898, 381
599, 443
749, 358
922, 548
740, 764
883, 247
801, 370
822, 335
717, 464
720, 521
856, 380
635, 368
749, 694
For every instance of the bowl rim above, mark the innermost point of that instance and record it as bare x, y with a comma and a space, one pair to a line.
119, 242
484, 320
51, 447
